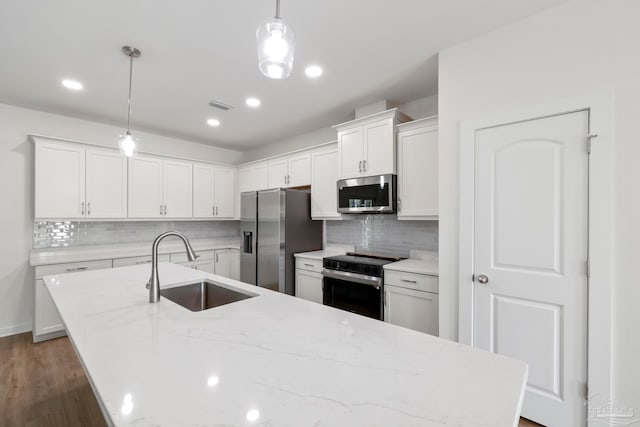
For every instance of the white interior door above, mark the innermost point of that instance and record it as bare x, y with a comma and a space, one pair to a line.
530, 253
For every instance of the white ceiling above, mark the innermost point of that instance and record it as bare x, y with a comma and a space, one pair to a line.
197, 50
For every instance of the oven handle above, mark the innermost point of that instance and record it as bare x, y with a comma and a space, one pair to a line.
376, 282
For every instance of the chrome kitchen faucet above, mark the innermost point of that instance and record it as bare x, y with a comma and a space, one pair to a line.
154, 283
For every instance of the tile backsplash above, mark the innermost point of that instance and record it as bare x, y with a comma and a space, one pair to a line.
54, 234
383, 234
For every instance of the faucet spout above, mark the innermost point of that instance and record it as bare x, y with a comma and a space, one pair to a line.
154, 281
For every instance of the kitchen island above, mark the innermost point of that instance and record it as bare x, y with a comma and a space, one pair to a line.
271, 360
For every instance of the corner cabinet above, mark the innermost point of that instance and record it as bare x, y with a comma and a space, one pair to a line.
76, 182
213, 191
324, 177
159, 188
418, 170
367, 146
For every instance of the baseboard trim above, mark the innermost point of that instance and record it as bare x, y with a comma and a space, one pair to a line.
16, 329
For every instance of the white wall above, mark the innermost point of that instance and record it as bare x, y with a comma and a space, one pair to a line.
419, 108
16, 188
577, 47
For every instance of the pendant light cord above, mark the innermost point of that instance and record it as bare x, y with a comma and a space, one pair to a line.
130, 79
278, 9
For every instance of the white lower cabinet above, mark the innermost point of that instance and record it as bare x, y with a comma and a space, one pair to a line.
309, 279
47, 322
137, 260
411, 301
227, 263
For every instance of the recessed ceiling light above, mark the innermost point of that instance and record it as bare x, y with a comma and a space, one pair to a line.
72, 84
253, 102
313, 71
213, 122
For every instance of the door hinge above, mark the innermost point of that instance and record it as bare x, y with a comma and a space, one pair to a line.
589, 139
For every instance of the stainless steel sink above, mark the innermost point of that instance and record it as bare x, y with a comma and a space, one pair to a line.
203, 295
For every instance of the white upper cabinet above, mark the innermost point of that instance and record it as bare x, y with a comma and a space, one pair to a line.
224, 192
59, 180
367, 146
159, 188
145, 187
294, 171
418, 169
106, 185
178, 181
76, 182
254, 177
213, 191
278, 172
324, 177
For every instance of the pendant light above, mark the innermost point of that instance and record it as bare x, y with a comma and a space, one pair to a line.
276, 43
127, 142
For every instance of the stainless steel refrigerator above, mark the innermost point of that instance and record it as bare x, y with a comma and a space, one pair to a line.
274, 225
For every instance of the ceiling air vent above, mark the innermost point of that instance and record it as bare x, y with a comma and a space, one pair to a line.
220, 105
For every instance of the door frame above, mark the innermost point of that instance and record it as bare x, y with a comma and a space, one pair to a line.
600, 224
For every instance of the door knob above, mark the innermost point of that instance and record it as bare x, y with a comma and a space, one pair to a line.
483, 279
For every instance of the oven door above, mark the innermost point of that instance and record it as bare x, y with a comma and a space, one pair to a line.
353, 292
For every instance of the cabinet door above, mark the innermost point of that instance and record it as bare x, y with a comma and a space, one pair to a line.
47, 319
309, 286
224, 182
261, 177
106, 184
245, 180
178, 180
324, 196
299, 171
145, 187
418, 174
235, 264
203, 191
411, 309
59, 181
379, 148
223, 263
350, 152
278, 174
204, 265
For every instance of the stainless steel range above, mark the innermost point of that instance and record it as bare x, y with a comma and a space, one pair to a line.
354, 282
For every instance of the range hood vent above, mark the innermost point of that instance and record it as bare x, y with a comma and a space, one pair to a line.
221, 105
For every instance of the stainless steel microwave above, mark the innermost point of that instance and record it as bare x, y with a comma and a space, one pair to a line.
371, 194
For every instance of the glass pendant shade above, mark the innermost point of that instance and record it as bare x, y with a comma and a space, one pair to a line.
127, 144
276, 45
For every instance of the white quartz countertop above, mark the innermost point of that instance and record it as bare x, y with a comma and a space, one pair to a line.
321, 254
272, 360
427, 265
90, 253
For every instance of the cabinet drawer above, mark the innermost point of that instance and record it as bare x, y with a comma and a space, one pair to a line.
136, 260
309, 264
419, 282
182, 256
47, 270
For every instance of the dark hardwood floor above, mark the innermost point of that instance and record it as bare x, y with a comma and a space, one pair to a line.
44, 385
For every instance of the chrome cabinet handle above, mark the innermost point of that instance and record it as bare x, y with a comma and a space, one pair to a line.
308, 265
408, 281
165, 210
483, 279
216, 211
213, 211
82, 208
88, 208
399, 203
76, 268
160, 209
364, 165
360, 165
143, 262
216, 258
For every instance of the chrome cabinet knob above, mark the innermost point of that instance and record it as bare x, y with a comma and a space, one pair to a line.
483, 279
